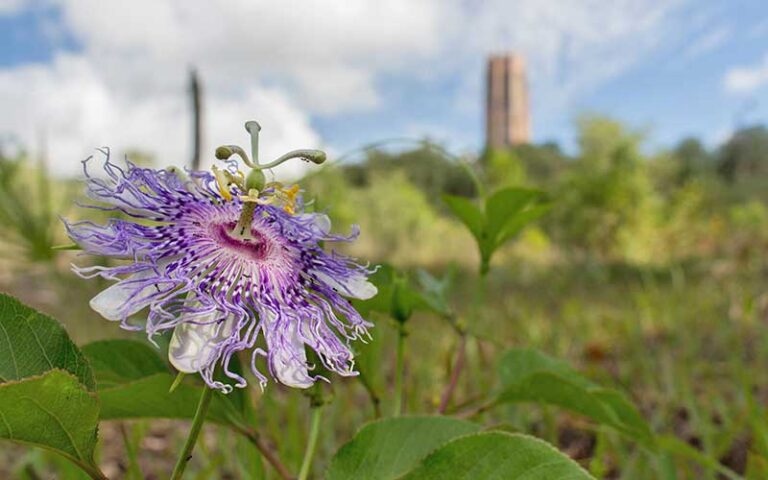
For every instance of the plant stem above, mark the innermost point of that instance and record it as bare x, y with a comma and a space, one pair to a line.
309, 453
267, 452
92, 471
374, 397
134, 469
484, 407
399, 367
461, 356
197, 425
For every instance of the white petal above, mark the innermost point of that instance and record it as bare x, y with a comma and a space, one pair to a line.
193, 345
288, 358
108, 303
321, 221
356, 286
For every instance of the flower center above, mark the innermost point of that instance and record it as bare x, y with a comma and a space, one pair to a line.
256, 248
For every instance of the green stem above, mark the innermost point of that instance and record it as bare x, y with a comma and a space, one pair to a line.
399, 367
314, 433
134, 469
453, 382
93, 471
197, 425
480, 381
372, 395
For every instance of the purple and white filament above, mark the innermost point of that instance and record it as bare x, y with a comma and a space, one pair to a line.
219, 292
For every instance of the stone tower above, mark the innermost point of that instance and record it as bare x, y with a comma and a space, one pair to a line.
507, 118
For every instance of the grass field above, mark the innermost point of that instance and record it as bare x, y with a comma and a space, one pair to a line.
687, 343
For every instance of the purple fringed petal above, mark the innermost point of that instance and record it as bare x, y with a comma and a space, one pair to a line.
219, 293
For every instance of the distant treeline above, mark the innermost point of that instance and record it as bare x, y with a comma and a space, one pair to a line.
612, 201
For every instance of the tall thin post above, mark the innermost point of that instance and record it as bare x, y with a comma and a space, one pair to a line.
197, 117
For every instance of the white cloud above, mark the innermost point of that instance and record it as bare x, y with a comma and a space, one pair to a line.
282, 63
8, 7
747, 79
74, 105
328, 50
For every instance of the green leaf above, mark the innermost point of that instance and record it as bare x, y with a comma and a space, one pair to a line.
134, 382
507, 212
388, 448
517, 364
497, 455
383, 279
406, 299
521, 220
436, 292
148, 397
115, 362
530, 376
53, 411
469, 214
397, 295
32, 343
503, 207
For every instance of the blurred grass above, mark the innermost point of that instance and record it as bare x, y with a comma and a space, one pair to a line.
689, 346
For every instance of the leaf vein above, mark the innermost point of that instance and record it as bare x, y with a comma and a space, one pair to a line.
61, 425
10, 348
7, 426
37, 339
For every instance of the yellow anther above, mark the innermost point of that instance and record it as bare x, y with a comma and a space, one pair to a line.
223, 180
291, 192
289, 197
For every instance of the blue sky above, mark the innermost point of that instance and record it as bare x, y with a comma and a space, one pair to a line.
338, 75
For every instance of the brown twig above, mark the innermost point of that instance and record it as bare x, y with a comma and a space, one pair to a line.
458, 366
483, 407
267, 452
465, 404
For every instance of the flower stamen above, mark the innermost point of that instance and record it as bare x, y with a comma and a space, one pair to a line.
224, 180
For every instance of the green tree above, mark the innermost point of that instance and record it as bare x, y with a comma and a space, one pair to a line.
504, 167
528, 164
745, 154
428, 168
605, 204
693, 158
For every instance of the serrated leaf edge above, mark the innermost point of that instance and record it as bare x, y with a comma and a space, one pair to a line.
84, 463
503, 433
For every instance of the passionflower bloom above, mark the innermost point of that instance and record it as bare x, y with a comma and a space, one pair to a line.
222, 267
